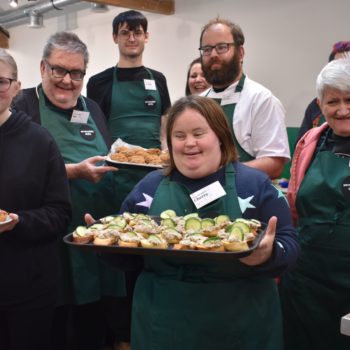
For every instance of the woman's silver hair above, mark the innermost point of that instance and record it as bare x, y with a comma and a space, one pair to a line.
335, 75
9, 60
66, 41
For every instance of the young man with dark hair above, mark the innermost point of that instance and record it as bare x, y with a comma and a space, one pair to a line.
134, 99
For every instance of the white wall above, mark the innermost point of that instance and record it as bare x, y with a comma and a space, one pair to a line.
287, 42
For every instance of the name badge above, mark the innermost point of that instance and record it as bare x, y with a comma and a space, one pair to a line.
80, 117
150, 84
231, 98
207, 194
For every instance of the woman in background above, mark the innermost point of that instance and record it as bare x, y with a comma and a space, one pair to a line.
195, 82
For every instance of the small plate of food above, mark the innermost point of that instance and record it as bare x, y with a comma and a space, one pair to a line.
131, 157
4, 217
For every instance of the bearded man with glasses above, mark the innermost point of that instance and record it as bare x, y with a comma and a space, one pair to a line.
255, 115
78, 126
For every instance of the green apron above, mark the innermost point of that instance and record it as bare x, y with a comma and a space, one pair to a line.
316, 294
135, 118
86, 277
229, 110
190, 305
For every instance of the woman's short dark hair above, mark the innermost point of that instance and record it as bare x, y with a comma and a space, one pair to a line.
215, 117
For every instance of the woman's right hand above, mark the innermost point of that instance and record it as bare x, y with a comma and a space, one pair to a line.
89, 219
9, 226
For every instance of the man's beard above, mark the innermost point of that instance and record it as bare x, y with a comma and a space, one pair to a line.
228, 72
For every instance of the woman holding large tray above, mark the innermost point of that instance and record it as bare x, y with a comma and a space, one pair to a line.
187, 304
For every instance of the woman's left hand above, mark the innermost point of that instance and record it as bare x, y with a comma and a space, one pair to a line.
263, 252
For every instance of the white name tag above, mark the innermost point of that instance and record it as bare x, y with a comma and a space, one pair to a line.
231, 98
80, 117
207, 194
150, 84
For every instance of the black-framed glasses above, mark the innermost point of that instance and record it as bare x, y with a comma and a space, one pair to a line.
219, 48
5, 84
60, 72
125, 33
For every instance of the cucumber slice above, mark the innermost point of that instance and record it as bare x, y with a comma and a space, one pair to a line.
113, 227
207, 222
141, 216
222, 219
191, 215
211, 239
168, 223
193, 223
242, 225
170, 230
131, 234
237, 232
154, 239
166, 214
107, 219
119, 221
80, 230
96, 227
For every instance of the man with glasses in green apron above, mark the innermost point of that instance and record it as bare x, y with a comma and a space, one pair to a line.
255, 115
79, 128
134, 99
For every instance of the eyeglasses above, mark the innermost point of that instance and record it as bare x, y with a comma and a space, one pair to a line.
219, 48
124, 33
59, 72
5, 84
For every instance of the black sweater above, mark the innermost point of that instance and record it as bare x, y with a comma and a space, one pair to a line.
34, 185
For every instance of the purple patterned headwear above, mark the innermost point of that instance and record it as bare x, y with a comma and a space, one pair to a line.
340, 46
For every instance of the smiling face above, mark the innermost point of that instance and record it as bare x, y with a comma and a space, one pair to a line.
195, 146
196, 80
221, 69
335, 106
131, 43
7, 96
62, 92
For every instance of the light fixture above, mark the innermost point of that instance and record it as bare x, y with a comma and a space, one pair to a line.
96, 7
13, 3
36, 20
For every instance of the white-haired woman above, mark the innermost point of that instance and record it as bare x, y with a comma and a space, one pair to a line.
316, 294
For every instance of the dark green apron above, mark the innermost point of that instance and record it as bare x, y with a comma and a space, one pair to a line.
135, 118
86, 277
189, 305
317, 293
229, 110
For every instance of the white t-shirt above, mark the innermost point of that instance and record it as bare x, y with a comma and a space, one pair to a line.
259, 119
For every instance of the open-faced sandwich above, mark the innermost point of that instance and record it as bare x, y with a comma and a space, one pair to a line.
3, 215
154, 241
83, 235
130, 239
105, 237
